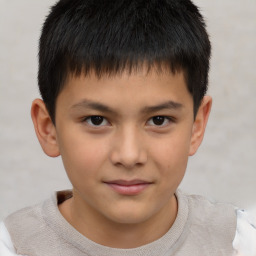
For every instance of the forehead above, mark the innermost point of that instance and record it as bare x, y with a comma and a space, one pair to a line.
127, 88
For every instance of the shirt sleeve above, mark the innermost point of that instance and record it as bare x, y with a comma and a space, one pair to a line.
245, 239
6, 246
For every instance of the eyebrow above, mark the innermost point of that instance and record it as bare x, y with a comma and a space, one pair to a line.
85, 103
165, 105
93, 105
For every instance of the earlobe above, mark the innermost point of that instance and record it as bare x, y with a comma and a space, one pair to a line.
44, 128
200, 124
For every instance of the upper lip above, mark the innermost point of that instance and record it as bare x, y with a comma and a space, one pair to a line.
128, 182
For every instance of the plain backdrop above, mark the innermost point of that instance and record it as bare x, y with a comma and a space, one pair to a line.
224, 167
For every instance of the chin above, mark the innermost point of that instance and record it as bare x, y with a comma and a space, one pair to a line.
129, 216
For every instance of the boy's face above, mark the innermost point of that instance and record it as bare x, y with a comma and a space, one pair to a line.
125, 141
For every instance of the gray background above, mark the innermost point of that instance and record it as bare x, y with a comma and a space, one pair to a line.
224, 167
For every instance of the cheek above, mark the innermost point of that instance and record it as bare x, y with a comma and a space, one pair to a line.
171, 155
82, 158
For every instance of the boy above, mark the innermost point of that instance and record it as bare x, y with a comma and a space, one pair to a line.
123, 86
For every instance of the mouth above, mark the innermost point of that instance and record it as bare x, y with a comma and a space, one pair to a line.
128, 187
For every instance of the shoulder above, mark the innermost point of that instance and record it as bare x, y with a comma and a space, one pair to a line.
211, 225
222, 219
22, 228
24, 219
245, 239
6, 246
33, 228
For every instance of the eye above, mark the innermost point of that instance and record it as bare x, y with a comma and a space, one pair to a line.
159, 121
96, 121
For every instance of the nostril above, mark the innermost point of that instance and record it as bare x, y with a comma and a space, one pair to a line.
128, 160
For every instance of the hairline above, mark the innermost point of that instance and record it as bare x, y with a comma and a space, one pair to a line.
159, 67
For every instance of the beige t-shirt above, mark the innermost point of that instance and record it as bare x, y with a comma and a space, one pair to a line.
199, 229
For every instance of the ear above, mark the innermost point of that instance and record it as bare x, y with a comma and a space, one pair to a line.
44, 128
200, 124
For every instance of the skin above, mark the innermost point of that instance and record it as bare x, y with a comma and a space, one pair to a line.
128, 143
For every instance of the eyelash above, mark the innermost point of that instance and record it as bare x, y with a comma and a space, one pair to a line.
167, 120
104, 122
86, 119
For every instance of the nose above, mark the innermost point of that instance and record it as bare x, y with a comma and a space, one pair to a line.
128, 149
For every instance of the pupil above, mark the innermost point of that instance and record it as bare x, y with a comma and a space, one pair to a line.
158, 120
97, 120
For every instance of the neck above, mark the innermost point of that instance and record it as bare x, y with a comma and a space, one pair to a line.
106, 232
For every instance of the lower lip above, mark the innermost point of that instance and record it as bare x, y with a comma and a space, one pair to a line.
129, 189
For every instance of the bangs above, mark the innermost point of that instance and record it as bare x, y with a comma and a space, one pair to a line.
110, 37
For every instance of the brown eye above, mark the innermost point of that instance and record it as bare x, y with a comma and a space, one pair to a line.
96, 121
159, 121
